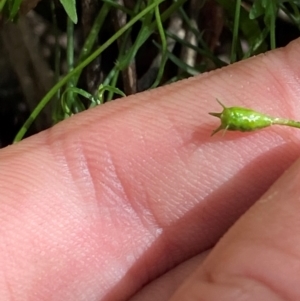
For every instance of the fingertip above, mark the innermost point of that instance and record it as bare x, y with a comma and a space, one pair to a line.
258, 258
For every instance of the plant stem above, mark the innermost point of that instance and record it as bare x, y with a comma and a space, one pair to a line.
287, 122
70, 59
65, 79
235, 31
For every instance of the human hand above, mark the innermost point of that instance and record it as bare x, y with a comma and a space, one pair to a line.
113, 198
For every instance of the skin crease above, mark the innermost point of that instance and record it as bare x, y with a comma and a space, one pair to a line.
128, 201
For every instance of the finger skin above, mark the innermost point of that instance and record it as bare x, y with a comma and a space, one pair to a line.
259, 258
102, 203
162, 288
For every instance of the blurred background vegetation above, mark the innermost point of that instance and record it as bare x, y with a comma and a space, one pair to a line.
58, 58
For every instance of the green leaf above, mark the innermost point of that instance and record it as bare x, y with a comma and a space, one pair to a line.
13, 9
70, 8
256, 10
2, 3
249, 28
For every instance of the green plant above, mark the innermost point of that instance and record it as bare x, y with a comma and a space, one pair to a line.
251, 24
246, 120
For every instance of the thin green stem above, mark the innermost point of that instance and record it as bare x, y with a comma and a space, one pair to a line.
14, 8
118, 6
83, 64
235, 31
219, 63
295, 16
70, 59
90, 40
164, 49
146, 31
113, 84
56, 115
112, 77
2, 3
287, 122
272, 26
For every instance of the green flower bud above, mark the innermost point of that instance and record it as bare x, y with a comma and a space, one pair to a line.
244, 120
